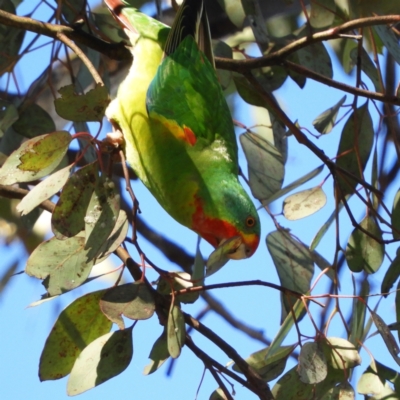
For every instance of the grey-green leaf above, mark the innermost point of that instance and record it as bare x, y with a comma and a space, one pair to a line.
158, 354
176, 331
77, 326
363, 252
100, 361
312, 366
325, 122
265, 164
302, 204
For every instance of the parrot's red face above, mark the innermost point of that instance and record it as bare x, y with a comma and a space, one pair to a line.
216, 231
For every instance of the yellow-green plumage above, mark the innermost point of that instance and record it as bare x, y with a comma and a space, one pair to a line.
178, 130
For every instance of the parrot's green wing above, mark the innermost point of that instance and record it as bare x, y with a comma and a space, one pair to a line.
186, 91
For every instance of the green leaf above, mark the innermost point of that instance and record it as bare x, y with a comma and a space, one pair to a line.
176, 331
8, 115
265, 165
133, 300
221, 255
176, 281
395, 218
103, 359
101, 215
117, 235
44, 190
221, 49
293, 263
322, 13
35, 158
340, 353
268, 367
34, 121
10, 41
290, 387
343, 391
357, 331
362, 251
77, 326
158, 354
397, 302
390, 40
387, 336
367, 66
63, 263
302, 204
392, 274
315, 56
70, 211
234, 10
312, 366
355, 147
88, 107
325, 122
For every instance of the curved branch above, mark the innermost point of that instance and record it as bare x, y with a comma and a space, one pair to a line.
277, 57
341, 86
116, 51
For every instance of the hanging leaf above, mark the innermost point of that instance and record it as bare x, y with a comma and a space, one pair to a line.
357, 331
355, 147
325, 122
387, 336
117, 235
221, 255
268, 367
101, 215
133, 300
221, 49
34, 121
100, 361
343, 391
304, 203
293, 263
322, 13
87, 107
177, 281
390, 41
392, 274
234, 10
340, 353
315, 56
35, 158
265, 164
44, 190
77, 326
312, 366
63, 263
10, 41
395, 218
158, 354
176, 331
69, 213
8, 115
290, 387
367, 66
363, 252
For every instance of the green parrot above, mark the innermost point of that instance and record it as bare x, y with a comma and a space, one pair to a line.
178, 131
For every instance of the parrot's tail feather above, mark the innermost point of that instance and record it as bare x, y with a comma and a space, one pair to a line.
191, 20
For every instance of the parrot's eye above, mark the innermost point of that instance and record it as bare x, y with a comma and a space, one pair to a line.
250, 221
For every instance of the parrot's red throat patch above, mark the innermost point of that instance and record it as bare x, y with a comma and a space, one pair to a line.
213, 230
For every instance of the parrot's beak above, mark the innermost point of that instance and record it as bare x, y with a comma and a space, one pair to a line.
245, 247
